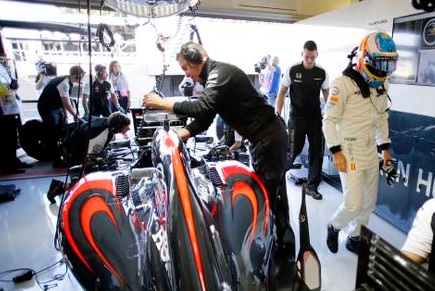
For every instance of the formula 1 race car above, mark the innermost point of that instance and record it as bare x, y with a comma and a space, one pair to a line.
181, 223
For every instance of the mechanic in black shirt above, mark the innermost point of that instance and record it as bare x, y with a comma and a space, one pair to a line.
229, 92
101, 89
96, 137
304, 81
54, 104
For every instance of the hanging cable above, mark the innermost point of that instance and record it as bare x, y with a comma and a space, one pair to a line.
192, 23
160, 80
161, 43
195, 7
194, 32
104, 32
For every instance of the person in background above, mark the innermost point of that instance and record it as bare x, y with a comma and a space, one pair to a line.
189, 88
238, 142
120, 86
275, 72
231, 138
54, 105
355, 126
10, 110
265, 74
418, 243
304, 81
102, 90
230, 93
46, 73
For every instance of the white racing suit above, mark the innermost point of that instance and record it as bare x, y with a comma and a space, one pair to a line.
356, 125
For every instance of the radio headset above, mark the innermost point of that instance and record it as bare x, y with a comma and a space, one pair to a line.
99, 69
192, 55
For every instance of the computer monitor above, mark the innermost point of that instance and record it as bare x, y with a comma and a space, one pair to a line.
415, 42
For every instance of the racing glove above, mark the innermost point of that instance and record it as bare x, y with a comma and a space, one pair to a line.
120, 109
389, 170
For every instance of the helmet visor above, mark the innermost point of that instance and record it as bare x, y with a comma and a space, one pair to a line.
385, 64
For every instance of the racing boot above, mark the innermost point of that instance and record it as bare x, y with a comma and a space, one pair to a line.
352, 244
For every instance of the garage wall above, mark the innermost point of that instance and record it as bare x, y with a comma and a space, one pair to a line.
294, 9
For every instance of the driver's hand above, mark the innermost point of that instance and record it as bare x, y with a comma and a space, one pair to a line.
152, 100
340, 162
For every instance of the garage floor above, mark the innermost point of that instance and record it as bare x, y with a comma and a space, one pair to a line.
27, 227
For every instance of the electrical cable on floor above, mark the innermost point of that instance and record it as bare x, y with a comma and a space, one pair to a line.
26, 274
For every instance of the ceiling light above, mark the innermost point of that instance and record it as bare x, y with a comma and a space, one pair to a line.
151, 8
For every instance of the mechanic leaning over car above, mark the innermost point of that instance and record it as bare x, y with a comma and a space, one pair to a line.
229, 92
83, 141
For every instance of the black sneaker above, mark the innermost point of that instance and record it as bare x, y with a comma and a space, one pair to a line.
352, 244
56, 188
332, 239
314, 193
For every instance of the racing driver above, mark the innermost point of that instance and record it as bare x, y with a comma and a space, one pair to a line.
355, 125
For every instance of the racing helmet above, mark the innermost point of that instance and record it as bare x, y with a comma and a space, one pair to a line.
376, 58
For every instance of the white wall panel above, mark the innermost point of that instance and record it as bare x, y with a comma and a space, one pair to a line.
368, 16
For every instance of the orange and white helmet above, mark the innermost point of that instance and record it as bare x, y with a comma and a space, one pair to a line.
376, 58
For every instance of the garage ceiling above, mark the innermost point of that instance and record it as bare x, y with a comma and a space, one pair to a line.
263, 10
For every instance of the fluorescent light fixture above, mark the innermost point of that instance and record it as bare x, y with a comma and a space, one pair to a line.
151, 8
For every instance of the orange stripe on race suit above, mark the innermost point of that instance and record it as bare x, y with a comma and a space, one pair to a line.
334, 99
